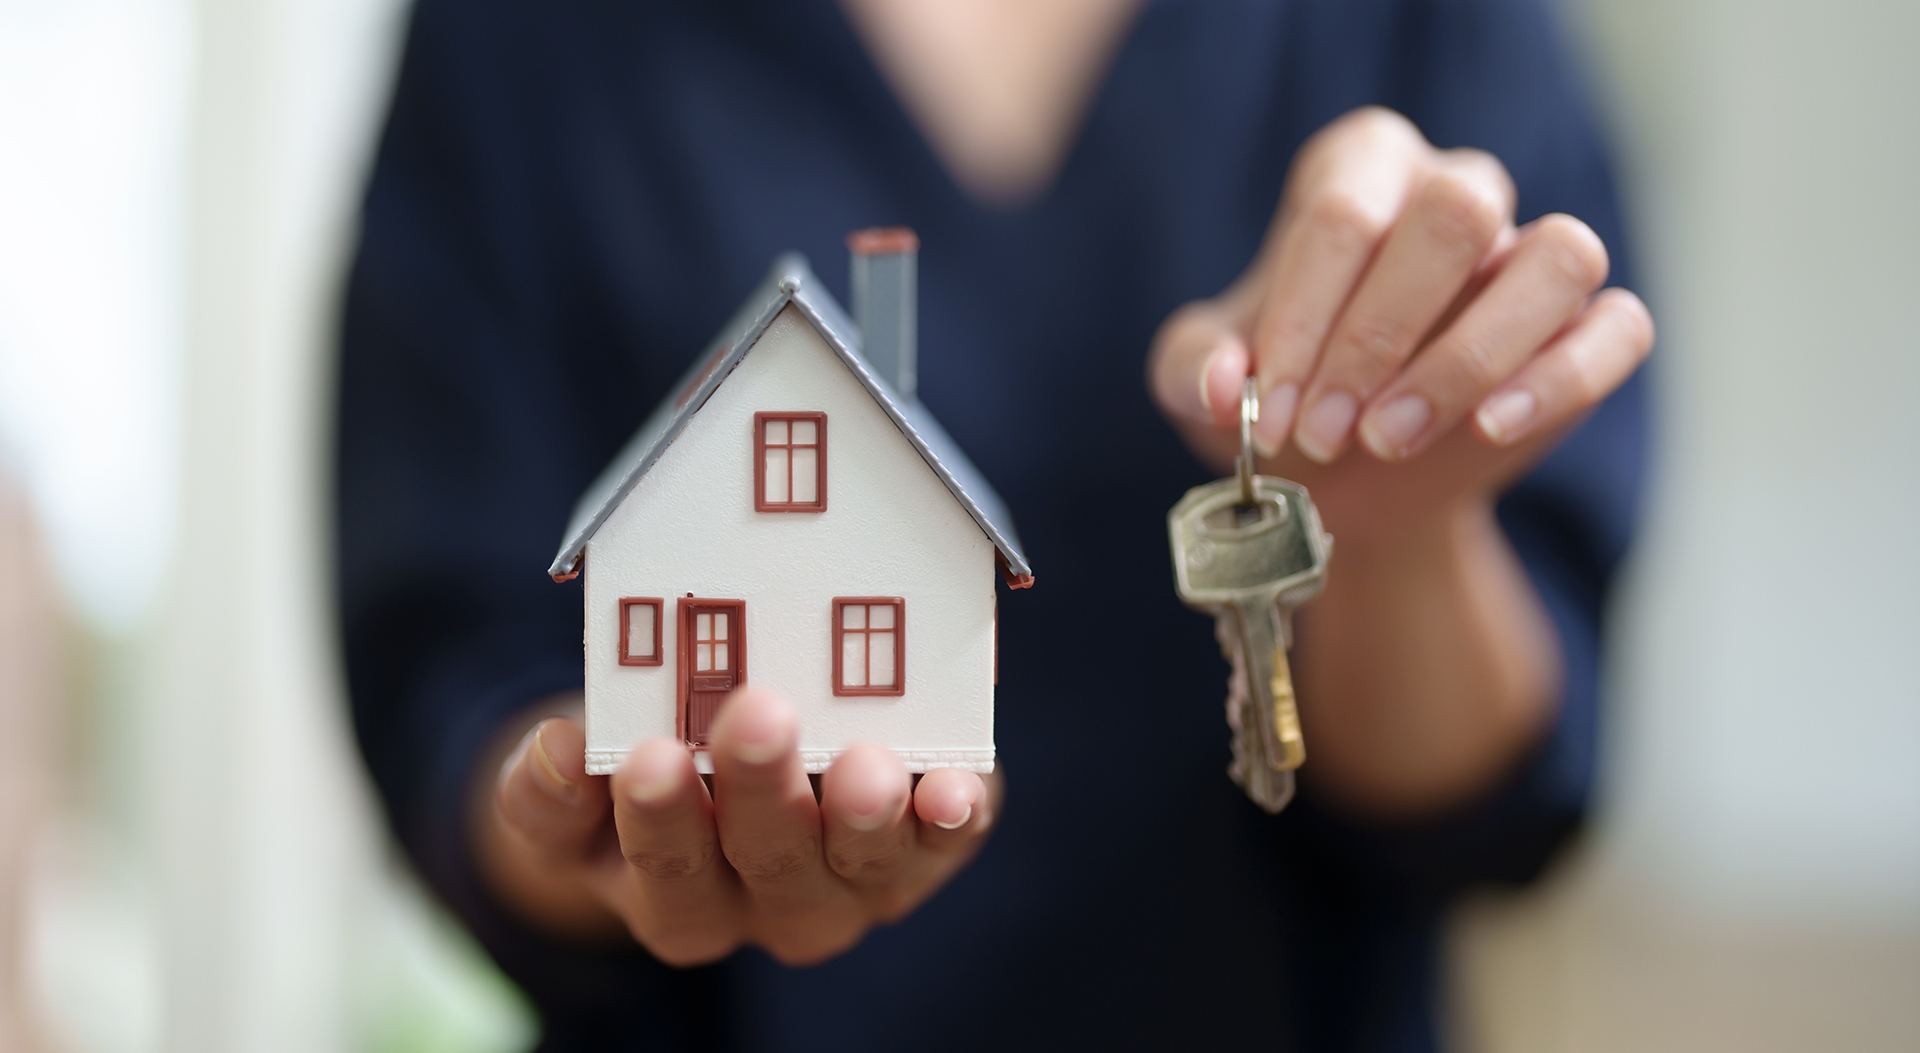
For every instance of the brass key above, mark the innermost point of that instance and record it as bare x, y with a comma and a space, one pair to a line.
1249, 550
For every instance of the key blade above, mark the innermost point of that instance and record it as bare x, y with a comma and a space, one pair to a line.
1286, 714
1274, 729
1271, 790
1251, 770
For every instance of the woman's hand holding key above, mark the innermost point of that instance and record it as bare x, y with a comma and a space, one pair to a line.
1395, 307
693, 874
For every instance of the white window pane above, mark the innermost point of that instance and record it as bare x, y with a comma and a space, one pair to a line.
806, 475
853, 659
776, 478
803, 433
853, 616
720, 625
703, 626
702, 657
720, 657
880, 658
776, 432
881, 617
639, 630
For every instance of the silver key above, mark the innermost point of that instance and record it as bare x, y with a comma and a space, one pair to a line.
1249, 550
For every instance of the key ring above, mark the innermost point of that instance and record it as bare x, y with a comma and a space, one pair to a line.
1249, 412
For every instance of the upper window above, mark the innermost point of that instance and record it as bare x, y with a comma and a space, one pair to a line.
790, 462
869, 645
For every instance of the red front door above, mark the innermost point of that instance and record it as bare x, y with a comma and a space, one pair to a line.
713, 661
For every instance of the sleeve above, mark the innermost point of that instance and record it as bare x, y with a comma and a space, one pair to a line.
1494, 74
462, 441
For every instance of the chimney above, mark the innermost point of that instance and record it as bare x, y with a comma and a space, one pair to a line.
885, 272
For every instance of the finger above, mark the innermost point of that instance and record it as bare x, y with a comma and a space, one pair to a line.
864, 799
1339, 209
676, 891
770, 829
1197, 365
545, 794
1581, 367
1454, 218
956, 809
1556, 266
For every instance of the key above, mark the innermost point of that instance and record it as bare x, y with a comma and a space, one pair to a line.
1249, 550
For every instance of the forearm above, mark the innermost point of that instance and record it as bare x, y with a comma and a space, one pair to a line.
1426, 668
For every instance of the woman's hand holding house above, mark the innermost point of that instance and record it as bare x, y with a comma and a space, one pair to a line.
1394, 302
693, 873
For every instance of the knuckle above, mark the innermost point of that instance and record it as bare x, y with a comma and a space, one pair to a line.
1488, 170
1286, 337
1345, 222
1376, 344
864, 863
671, 865
1380, 122
1572, 250
1475, 363
778, 864
1463, 210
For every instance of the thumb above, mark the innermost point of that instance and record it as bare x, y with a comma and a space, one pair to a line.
545, 793
1198, 363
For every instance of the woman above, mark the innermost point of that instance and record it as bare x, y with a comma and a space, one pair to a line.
568, 200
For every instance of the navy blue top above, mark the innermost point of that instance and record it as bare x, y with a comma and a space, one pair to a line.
569, 199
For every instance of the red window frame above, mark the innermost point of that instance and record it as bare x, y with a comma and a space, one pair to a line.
760, 447
627, 604
899, 630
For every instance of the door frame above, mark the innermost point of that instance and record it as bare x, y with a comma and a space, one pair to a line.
683, 649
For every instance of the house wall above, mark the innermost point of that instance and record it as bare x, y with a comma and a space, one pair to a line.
891, 528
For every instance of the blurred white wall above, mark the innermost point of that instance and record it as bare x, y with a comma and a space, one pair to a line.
177, 189
1754, 883
93, 104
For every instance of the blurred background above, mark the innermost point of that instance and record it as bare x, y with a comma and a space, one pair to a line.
189, 860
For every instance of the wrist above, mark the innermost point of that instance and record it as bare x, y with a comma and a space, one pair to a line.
1427, 667
1419, 541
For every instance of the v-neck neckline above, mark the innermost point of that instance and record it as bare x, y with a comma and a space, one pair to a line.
843, 56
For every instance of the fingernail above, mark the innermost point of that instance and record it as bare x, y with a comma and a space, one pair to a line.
760, 751
1391, 429
549, 776
1503, 415
868, 822
1276, 419
651, 788
958, 824
1206, 374
1325, 425
655, 775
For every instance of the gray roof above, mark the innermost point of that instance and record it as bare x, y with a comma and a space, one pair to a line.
789, 282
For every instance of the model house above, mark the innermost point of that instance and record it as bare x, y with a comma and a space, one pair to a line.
791, 515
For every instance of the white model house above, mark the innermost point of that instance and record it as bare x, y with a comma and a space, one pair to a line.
792, 515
